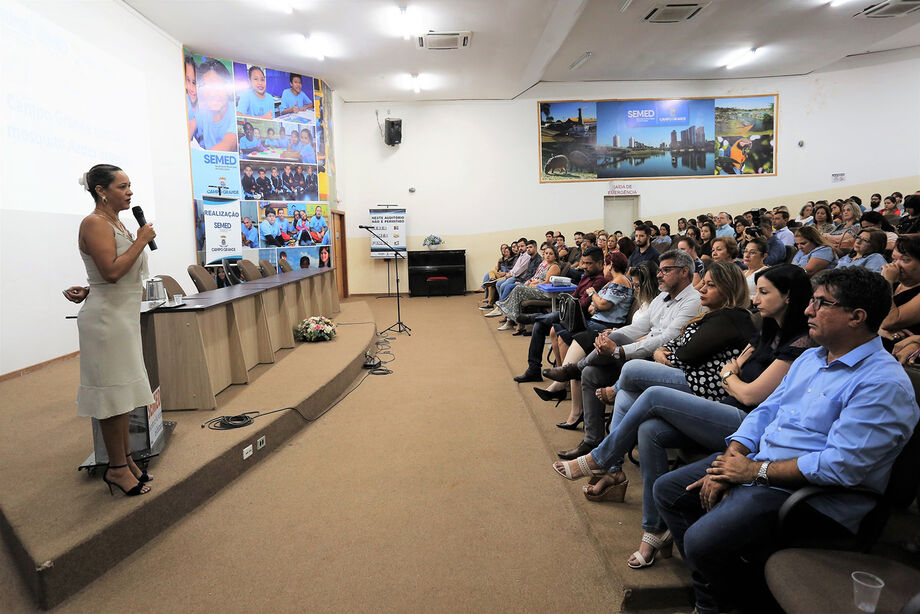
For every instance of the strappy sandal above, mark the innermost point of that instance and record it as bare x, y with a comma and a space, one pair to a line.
663, 547
614, 492
606, 395
138, 488
144, 478
564, 469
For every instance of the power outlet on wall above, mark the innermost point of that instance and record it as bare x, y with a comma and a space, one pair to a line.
247, 451
260, 442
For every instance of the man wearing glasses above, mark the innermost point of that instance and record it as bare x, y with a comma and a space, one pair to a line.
840, 417
662, 322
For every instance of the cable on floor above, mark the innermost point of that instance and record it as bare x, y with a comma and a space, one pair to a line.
226, 423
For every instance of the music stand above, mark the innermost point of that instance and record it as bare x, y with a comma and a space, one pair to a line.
399, 326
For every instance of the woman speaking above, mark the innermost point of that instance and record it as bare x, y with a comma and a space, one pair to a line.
113, 379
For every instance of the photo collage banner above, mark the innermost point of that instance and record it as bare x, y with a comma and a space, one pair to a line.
634, 139
262, 163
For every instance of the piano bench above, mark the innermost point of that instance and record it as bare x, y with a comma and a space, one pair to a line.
437, 282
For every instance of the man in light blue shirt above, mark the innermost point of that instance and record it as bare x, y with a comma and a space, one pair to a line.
840, 417
782, 232
724, 225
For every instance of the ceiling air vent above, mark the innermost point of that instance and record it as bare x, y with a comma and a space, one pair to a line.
674, 12
889, 8
440, 41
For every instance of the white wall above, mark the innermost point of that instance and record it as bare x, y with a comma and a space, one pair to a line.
38, 251
475, 164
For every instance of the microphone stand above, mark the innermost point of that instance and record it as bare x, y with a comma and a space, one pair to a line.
399, 327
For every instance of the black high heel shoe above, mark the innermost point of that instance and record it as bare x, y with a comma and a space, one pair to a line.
573, 426
144, 477
133, 492
558, 396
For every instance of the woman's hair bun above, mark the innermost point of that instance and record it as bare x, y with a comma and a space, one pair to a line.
82, 181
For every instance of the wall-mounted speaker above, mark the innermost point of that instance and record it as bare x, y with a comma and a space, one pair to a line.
392, 131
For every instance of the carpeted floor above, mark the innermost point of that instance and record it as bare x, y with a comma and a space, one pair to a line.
425, 490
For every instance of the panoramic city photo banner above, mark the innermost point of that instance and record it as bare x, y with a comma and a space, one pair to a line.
583, 140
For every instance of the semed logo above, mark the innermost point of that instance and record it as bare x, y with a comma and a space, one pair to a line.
219, 159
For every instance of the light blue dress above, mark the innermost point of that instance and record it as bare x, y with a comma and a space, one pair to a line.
823, 252
873, 262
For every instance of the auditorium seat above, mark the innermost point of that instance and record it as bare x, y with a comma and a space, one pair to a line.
268, 269
249, 270
172, 286
285, 266
790, 254
202, 279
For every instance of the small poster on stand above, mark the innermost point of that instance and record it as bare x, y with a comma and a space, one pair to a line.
390, 225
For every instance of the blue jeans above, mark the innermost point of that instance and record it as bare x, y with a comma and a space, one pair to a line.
505, 286
664, 418
743, 523
541, 327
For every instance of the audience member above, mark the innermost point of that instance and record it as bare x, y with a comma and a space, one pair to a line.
814, 252
776, 250
575, 252
780, 220
707, 234
724, 226
822, 219
806, 215
517, 274
811, 430
872, 219
903, 273
644, 250
754, 254
609, 309
910, 223
592, 263
511, 306
689, 363
691, 247
867, 251
678, 302
843, 238
890, 206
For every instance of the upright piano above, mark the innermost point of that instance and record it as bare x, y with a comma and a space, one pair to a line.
449, 263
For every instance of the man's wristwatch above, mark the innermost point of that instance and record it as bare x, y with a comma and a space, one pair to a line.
762, 479
621, 352
726, 375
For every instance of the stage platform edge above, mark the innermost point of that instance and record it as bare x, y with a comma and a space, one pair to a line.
62, 528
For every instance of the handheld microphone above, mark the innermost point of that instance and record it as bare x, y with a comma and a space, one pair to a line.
365, 227
142, 221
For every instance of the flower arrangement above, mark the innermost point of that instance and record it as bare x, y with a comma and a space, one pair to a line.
432, 240
315, 328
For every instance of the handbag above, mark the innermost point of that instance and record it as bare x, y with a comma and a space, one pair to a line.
570, 314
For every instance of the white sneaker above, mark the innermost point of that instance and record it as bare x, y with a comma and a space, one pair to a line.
505, 326
494, 313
